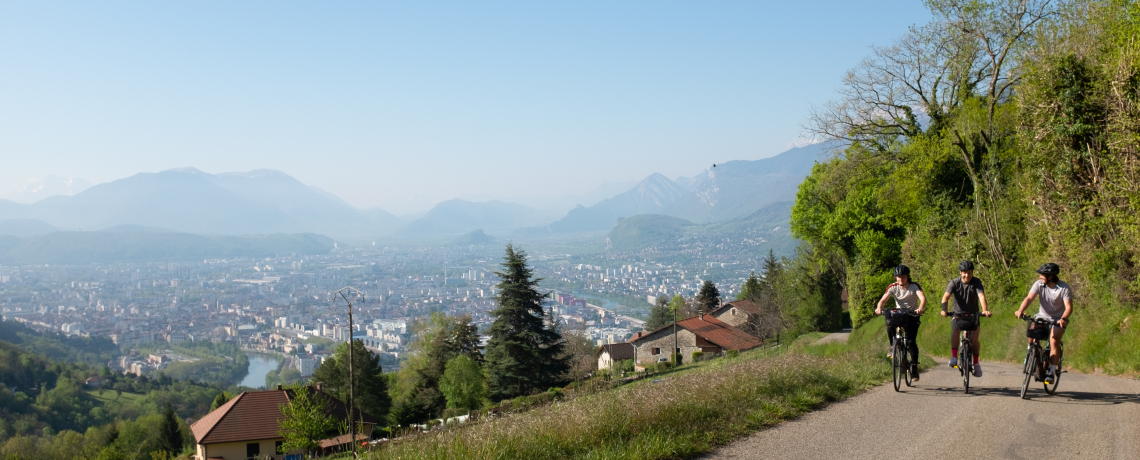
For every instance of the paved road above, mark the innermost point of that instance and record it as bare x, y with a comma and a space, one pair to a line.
840, 337
1090, 417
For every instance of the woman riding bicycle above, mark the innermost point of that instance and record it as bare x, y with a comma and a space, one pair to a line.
908, 298
1056, 304
968, 295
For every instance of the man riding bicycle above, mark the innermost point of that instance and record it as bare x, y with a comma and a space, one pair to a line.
968, 294
1056, 304
908, 298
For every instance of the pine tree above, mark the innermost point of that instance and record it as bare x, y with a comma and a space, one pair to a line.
751, 290
169, 434
659, 314
772, 271
220, 401
708, 297
370, 385
524, 354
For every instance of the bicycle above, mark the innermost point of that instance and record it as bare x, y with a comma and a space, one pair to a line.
1036, 356
965, 353
900, 361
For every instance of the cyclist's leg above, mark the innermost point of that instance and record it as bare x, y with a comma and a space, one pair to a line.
1055, 345
976, 343
911, 331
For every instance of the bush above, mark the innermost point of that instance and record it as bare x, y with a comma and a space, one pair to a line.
698, 356
733, 353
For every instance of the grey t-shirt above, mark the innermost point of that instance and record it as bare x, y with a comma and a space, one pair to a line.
965, 294
1052, 299
906, 298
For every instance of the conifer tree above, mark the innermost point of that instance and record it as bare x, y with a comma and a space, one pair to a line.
708, 297
524, 354
751, 290
169, 434
659, 314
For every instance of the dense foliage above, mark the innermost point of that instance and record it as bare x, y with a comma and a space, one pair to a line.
1006, 133
370, 386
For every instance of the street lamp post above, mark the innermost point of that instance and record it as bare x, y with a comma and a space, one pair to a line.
350, 295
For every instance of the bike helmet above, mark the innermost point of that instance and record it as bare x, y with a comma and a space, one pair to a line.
965, 266
1049, 269
902, 270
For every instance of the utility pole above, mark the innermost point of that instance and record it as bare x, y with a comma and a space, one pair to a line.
676, 353
350, 295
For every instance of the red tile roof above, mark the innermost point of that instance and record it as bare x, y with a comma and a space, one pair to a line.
253, 415
719, 333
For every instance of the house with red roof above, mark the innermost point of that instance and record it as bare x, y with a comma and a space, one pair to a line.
246, 426
702, 333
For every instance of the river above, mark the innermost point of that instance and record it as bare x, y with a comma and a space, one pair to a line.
259, 366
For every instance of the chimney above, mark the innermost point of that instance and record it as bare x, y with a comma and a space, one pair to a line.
702, 316
278, 387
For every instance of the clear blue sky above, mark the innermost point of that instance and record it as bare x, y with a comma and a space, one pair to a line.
380, 101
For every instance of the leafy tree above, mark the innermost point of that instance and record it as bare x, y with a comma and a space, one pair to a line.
371, 387
524, 353
463, 384
708, 298
659, 314
169, 434
306, 420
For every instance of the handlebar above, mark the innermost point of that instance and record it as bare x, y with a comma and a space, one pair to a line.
953, 314
1042, 321
900, 311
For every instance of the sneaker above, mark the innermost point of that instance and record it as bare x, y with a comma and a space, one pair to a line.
1049, 378
914, 373
977, 370
890, 355
953, 362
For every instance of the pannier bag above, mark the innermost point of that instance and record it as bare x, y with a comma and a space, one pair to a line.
1037, 331
966, 322
895, 319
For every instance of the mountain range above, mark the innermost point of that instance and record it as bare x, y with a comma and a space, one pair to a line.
263, 202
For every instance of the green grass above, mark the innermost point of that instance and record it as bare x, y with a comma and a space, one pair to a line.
109, 397
691, 410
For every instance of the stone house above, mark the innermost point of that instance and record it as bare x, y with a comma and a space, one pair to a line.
702, 333
246, 426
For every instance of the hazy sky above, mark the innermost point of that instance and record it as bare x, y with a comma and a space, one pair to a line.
400, 105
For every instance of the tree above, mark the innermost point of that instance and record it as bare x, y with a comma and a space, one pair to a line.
463, 384
306, 420
751, 289
220, 400
169, 434
579, 350
371, 386
708, 298
524, 354
659, 314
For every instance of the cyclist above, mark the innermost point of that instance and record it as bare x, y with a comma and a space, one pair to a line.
1056, 304
909, 297
968, 294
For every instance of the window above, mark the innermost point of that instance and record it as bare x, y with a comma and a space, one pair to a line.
656, 351
253, 450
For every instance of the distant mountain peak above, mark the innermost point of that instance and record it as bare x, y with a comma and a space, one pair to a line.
258, 173
188, 170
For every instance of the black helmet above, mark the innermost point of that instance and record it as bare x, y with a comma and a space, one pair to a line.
902, 270
965, 266
1049, 269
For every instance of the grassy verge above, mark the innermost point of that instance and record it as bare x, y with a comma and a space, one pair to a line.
683, 414
110, 397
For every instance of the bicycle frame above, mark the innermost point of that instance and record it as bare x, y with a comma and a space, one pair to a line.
965, 351
1038, 356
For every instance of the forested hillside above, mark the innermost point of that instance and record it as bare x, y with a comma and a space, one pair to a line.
1006, 133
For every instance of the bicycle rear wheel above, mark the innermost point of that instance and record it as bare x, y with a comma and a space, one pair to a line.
965, 363
1051, 387
896, 364
1030, 369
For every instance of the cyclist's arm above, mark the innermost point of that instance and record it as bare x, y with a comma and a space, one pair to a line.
1025, 303
921, 302
945, 298
982, 302
1068, 311
879, 308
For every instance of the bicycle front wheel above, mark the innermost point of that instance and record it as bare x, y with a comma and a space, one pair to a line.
1030, 369
965, 363
896, 364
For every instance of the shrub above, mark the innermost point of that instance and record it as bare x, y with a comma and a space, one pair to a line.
698, 356
733, 353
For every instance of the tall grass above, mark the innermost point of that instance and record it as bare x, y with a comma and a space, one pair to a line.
685, 413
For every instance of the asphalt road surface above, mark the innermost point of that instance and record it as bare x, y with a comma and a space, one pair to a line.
1091, 416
